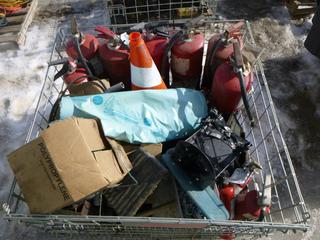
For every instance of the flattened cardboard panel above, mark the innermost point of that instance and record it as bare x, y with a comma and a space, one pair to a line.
121, 155
109, 166
148, 171
91, 133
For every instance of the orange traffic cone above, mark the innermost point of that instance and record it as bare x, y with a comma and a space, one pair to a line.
144, 73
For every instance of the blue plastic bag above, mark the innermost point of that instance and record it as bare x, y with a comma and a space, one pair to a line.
146, 116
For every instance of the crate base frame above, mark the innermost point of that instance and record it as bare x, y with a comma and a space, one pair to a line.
164, 228
121, 226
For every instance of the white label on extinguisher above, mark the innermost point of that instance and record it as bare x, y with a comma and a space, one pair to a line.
180, 65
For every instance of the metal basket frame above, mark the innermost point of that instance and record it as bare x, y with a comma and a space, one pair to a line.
288, 212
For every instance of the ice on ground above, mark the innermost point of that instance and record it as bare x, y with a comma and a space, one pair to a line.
21, 76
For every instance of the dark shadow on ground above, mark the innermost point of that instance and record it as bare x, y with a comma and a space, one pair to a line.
248, 9
256, 10
295, 84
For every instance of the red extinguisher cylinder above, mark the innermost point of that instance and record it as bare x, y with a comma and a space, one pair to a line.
219, 51
226, 89
227, 194
246, 207
217, 54
115, 57
77, 77
89, 46
186, 59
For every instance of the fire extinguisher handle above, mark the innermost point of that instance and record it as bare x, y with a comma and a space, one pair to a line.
105, 33
234, 29
237, 55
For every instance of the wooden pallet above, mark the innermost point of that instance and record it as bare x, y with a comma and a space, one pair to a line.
301, 8
17, 27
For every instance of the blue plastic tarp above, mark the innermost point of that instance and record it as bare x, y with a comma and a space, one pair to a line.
145, 116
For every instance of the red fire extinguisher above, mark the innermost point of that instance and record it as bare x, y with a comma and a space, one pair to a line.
219, 50
82, 47
114, 55
248, 208
186, 59
78, 76
88, 44
231, 84
237, 183
72, 72
227, 194
254, 205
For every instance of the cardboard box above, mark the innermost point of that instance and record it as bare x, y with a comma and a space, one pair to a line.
68, 162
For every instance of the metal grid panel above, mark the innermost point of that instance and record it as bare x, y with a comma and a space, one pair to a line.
269, 149
136, 11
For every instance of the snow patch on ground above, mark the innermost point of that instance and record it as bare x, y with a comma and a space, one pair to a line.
22, 74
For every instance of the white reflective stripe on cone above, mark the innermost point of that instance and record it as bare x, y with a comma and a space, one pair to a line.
145, 77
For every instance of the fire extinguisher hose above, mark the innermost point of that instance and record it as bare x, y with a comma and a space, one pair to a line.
55, 106
179, 34
82, 59
77, 37
165, 56
239, 69
211, 55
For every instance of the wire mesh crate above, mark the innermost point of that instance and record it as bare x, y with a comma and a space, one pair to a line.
288, 210
136, 11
